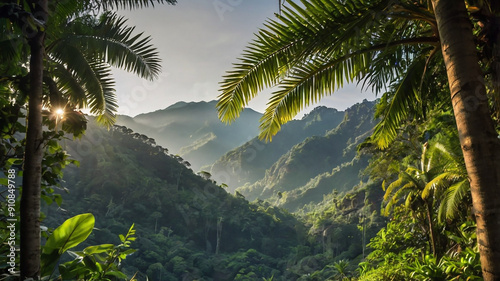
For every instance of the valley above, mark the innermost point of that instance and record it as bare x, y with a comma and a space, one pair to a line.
206, 227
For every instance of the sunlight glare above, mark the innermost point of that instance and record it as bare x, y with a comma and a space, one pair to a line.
59, 112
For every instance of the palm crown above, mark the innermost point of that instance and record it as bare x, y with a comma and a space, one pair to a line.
81, 49
81, 57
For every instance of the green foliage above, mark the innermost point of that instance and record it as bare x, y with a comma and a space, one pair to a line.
99, 262
68, 235
124, 179
340, 268
394, 249
462, 266
80, 48
401, 251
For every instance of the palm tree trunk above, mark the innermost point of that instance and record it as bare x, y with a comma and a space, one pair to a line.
432, 233
32, 171
478, 138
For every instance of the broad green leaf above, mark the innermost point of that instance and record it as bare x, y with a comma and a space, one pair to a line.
68, 235
71, 233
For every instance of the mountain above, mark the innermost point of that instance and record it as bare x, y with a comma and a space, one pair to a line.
188, 227
248, 163
193, 130
306, 162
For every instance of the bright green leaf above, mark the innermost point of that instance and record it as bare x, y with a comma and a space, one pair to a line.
68, 235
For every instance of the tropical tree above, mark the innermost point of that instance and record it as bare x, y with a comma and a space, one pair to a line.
438, 182
340, 268
314, 47
73, 67
450, 185
478, 137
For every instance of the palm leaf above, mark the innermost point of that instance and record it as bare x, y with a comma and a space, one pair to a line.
295, 37
102, 100
406, 189
94, 76
62, 11
130, 4
391, 187
69, 85
404, 101
261, 66
108, 5
82, 56
115, 43
454, 200
310, 51
440, 182
307, 85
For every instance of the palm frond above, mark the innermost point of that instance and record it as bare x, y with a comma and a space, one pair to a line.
94, 76
404, 101
453, 200
308, 84
69, 85
442, 181
102, 95
395, 184
312, 49
406, 189
281, 49
260, 67
115, 43
62, 11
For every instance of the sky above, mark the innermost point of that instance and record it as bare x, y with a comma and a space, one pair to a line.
198, 40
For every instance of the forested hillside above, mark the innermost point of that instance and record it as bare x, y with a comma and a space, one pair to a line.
248, 163
312, 164
189, 227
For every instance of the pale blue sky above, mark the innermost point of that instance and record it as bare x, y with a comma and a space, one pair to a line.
198, 40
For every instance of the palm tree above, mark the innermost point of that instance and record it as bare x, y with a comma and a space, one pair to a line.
83, 78
340, 267
311, 49
439, 182
449, 185
409, 186
478, 137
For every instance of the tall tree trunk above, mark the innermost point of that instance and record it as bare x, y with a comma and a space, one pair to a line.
478, 138
32, 171
432, 233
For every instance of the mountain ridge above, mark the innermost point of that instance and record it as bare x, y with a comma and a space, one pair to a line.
315, 156
193, 130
